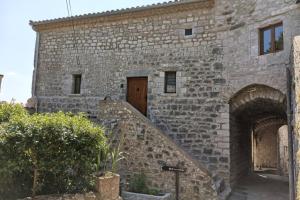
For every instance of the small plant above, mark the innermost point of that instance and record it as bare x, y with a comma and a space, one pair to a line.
108, 161
116, 156
138, 184
110, 156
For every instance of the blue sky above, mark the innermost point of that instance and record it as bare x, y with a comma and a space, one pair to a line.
17, 39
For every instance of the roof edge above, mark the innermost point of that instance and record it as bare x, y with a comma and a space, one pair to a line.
116, 12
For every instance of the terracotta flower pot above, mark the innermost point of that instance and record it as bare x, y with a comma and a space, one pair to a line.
108, 187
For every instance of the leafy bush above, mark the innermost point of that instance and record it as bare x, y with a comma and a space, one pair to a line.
47, 153
138, 184
9, 109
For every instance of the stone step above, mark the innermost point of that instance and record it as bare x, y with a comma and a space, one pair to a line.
224, 194
238, 195
219, 183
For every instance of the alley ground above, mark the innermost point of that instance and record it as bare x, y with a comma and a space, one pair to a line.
261, 187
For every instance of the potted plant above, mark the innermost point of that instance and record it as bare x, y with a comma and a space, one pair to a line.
138, 189
107, 180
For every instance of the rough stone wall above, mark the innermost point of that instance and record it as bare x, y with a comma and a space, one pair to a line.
238, 23
147, 149
219, 59
87, 196
283, 151
266, 147
240, 157
111, 52
296, 119
137, 196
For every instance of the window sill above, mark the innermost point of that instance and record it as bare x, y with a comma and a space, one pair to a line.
188, 36
169, 94
75, 95
272, 53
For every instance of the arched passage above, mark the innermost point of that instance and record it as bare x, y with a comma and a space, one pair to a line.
256, 114
266, 142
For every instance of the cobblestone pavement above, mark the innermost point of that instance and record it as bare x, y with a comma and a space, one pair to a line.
261, 187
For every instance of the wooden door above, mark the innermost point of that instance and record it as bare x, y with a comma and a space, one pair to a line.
137, 93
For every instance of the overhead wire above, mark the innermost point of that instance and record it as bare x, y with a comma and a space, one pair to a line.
75, 44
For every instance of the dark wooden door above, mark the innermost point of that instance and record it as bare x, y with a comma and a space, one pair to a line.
137, 93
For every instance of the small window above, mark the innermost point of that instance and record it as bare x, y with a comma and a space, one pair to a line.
76, 83
170, 82
188, 31
271, 39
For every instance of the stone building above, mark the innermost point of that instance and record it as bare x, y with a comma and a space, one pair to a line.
1, 77
209, 76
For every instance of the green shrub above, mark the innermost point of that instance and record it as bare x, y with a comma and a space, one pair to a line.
59, 151
7, 110
138, 184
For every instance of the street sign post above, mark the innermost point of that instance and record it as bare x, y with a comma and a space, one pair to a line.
177, 170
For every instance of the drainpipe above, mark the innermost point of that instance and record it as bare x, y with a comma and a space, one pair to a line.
35, 70
290, 136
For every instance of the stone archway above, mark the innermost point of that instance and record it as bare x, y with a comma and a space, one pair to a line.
253, 110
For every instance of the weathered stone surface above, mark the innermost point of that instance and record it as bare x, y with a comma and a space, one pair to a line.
161, 151
220, 59
87, 196
136, 196
107, 187
296, 108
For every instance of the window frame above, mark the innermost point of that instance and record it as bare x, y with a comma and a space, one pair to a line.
188, 30
271, 27
75, 90
166, 82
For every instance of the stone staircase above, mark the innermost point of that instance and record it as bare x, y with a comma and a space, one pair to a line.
222, 189
149, 148
238, 193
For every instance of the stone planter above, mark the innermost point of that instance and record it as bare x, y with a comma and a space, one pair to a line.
87, 196
138, 196
108, 187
